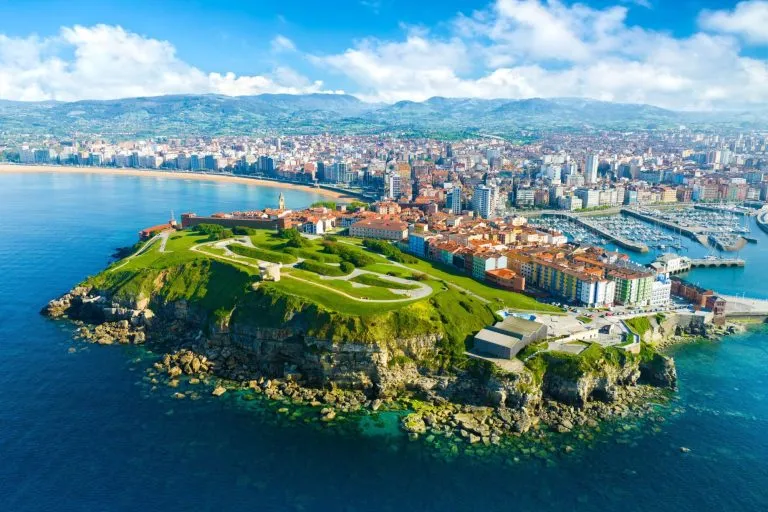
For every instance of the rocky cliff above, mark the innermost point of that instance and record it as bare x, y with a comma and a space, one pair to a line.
277, 346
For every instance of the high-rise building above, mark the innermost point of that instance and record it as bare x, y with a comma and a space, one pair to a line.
590, 171
455, 200
393, 183
484, 200
320, 174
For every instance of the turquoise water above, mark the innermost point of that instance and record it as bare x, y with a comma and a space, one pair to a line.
81, 431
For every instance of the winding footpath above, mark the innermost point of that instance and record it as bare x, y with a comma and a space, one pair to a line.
162, 236
422, 292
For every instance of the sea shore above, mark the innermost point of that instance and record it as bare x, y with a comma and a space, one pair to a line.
219, 178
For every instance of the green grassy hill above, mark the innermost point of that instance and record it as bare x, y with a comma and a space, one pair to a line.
361, 304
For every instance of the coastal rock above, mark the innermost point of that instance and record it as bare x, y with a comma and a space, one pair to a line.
660, 370
414, 423
289, 365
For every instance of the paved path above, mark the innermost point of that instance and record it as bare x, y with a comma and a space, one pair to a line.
397, 264
744, 306
162, 236
423, 291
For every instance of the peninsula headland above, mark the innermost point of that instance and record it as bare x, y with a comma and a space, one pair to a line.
342, 323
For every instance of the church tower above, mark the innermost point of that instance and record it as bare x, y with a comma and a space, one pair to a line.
281, 202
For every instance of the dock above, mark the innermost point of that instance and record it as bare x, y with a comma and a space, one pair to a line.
736, 210
693, 232
618, 240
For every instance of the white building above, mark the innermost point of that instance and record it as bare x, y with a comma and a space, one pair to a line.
661, 292
589, 198
590, 171
484, 201
597, 293
393, 181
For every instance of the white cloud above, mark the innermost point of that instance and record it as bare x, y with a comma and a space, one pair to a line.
748, 19
526, 48
511, 49
105, 62
282, 44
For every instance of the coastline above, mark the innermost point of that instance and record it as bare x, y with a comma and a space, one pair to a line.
6, 168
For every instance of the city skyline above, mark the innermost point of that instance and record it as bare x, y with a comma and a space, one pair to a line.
697, 56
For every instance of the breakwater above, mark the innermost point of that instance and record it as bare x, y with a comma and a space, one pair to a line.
762, 220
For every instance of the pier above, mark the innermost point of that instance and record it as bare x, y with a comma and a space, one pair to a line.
672, 264
618, 240
716, 262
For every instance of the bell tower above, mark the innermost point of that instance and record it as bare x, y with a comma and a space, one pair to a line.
281, 202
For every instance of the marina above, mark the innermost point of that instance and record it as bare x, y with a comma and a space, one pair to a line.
724, 231
624, 231
652, 230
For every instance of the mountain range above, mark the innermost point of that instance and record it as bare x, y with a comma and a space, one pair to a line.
182, 115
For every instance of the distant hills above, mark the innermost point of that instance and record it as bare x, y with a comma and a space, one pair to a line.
182, 115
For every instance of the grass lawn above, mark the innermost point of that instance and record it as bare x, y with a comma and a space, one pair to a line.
639, 325
332, 301
368, 292
384, 268
372, 280
314, 253
176, 252
321, 268
258, 253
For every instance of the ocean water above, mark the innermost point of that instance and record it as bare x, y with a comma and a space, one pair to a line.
80, 430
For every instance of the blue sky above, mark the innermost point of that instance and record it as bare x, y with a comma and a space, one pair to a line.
663, 52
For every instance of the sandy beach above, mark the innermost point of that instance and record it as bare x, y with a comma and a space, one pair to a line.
225, 178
